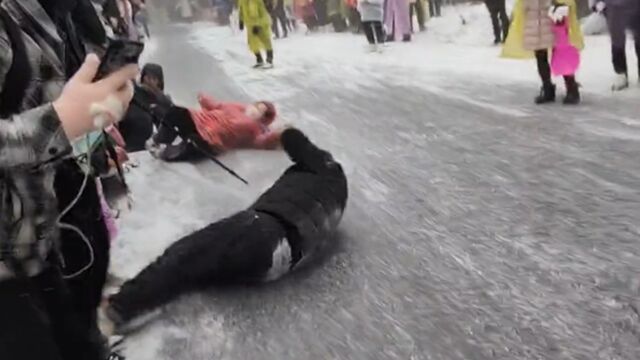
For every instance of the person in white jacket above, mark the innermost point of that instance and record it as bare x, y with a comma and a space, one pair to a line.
372, 14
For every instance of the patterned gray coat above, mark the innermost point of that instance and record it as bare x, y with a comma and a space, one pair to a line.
29, 142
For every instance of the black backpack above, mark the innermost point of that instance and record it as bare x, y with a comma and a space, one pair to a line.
17, 78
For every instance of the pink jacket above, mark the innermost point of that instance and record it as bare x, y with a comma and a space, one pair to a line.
225, 126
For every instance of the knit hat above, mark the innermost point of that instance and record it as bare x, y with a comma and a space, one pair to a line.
154, 70
270, 114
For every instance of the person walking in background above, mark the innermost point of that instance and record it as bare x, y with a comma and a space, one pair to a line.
499, 19
416, 7
531, 33
435, 8
255, 17
279, 15
621, 15
397, 21
372, 14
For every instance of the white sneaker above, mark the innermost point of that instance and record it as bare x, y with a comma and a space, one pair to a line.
373, 48
620, 82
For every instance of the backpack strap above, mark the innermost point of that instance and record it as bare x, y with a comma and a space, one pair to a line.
17, 79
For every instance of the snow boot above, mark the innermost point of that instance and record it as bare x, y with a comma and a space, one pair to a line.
573, 92
269, 60
259, 61
406, 38
620, 82
547, 94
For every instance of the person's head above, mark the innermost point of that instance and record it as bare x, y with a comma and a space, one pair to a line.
152, 76
264, 112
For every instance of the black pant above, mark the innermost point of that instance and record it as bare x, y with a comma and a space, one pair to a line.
499, 18
417, 8
434, 7
373, 31
544, 69
619, 56
39, 321
279, 14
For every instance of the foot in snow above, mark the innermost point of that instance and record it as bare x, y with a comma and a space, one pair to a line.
372, 48
620, 82
258, 65
268, 66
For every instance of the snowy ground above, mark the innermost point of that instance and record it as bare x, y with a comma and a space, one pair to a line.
479, 226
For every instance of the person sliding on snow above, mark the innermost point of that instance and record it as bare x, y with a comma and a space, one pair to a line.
621, 15
255, 17
532, 31
215, 128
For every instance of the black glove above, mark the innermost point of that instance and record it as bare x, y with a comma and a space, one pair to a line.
256, 30
241, 25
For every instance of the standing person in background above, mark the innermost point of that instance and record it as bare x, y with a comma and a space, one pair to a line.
531, 33
499, 19
255, 17
372, 14
141, 16
417, 9
435, 8
278, 15
621, 15
397, 21
40, 115
355, 20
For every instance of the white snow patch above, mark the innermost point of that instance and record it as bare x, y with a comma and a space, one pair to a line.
281, 261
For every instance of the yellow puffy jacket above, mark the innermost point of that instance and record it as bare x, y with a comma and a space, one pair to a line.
254, 13
514, 46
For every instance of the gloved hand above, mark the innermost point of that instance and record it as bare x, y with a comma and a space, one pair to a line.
255, 30
241, 26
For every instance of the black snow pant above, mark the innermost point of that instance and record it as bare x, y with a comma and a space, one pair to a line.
499, 19
417, 8
237, 249
544, 70
178, 123
619, 19
39, 322
279, 15
374, 32
434, 7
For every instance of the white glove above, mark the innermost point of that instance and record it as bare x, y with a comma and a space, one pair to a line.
600, 6
557, 14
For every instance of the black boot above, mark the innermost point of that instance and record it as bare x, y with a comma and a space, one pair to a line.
259, 61
573, 91
269, 58
547, 94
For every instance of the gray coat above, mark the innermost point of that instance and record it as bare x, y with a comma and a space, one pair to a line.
371, 10
28, 206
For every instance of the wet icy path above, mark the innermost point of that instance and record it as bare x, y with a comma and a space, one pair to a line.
479, 227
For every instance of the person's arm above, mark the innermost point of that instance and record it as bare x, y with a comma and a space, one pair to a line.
268, 141
207, 102
32, 137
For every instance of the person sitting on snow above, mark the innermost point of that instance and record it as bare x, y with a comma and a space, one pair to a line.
215, 128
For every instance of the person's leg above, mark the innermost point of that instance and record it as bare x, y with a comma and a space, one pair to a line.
369, 31
379, 32
504, 19
284, 22
496, 24
420, 14
616, 16
438, 7
412, 7
274, 25
265, 39
548, 91
573, 91
25, 331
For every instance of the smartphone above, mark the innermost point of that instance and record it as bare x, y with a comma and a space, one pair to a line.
119, 54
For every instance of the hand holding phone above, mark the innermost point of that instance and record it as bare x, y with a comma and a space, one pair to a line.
73, 107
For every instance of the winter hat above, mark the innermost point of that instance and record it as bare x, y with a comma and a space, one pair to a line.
270, 114
154, 70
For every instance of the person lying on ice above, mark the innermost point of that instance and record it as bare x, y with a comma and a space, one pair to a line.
290, 224
216, 128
